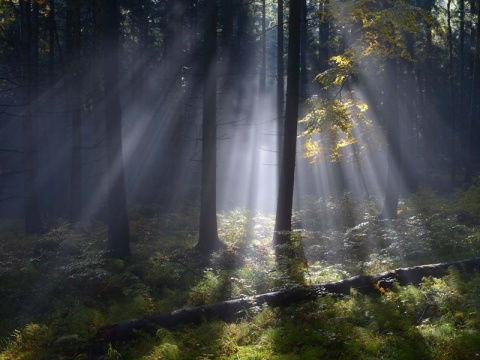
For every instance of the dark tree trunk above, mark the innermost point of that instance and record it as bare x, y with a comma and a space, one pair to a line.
427, 113
391, 118
32, 216
280, 78
453, 113
303, 52
74, 106
52, 202
409, 122
283, 220
263, 68
461, 71
208, 231
474, 118
118, 244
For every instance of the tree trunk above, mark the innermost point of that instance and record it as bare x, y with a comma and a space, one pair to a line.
283, 220
453, 114
391, 118
208, 231
32, 216
428, 128
263, 69
74, 106
118, 228
232, 310
474, 117
280, 79
461, 71
303, 52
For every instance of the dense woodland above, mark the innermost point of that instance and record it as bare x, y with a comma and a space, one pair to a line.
157, 155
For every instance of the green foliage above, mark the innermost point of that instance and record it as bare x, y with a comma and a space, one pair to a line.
233, 226
291, 262
380, 27
72, 289
335, 117
372, 31
469, 202
28, 343
337, 213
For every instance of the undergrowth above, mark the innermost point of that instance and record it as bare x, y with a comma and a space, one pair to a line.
58, 289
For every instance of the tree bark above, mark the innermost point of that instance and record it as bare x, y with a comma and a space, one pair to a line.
283, 220
74, 106
208, 230
263, 69
280, 79
118, 244
303, 52
32, 216
391, 118
232, 310
474, 116
428, 128
453, 113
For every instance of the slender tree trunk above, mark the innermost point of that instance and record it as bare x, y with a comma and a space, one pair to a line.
428, 129
283, 220
303, 52
453, 115
52, 203
462, 83
74, 106
208, 231
32, 216
280, 79
390, 114
263, 69
118, 244
410, 103
474, 109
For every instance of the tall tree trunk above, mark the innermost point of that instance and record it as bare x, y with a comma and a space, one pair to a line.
474, 117
208, 231
118, 244
303, 52
74, 106
280, 78
283, 220
263, 69
32, 216
52, 203
461, 73
453, 114
410, 103
391, 118
428, 129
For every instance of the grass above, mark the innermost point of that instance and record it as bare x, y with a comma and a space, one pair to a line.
58, 289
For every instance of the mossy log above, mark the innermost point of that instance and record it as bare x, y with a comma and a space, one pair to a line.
233, 309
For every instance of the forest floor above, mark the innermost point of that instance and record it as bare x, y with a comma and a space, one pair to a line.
58, 289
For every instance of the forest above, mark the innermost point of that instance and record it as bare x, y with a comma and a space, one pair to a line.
239, 179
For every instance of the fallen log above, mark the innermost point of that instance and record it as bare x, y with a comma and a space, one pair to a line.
231, 310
